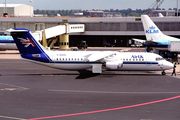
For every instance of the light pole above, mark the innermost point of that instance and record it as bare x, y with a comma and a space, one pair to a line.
5, 7
177, 9
30, 8
5, 11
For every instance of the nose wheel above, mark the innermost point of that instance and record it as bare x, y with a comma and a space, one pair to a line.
163, 72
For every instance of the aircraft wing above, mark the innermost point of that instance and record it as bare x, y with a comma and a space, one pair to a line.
99, 55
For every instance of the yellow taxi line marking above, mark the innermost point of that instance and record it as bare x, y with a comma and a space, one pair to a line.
11, 89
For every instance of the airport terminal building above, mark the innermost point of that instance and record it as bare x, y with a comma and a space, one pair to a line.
115, 30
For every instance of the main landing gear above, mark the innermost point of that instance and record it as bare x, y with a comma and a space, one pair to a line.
163, 72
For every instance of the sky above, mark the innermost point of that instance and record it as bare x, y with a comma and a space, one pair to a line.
92, 4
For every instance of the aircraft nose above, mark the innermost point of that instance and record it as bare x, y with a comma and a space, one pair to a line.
167, 65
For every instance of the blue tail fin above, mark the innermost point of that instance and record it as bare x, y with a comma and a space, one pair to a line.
28, 47
25, 42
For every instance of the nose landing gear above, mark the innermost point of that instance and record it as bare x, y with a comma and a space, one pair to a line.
163, 72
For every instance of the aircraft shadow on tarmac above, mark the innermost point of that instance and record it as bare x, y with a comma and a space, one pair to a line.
79, 75
88, 74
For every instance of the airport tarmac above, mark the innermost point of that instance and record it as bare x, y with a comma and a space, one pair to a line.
33, 92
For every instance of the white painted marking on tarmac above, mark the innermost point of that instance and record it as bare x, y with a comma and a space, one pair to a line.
14, 87
13, 118
9, 85
146, 119
111, 92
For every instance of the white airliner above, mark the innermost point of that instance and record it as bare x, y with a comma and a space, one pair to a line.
7, 43
156, 39
97, 61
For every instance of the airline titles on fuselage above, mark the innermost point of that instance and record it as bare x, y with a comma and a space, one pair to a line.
137, 56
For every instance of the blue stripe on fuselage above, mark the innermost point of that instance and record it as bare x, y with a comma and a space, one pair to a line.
159, 43
6, 39
139, 62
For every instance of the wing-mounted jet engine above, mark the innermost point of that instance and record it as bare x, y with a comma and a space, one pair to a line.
112, 62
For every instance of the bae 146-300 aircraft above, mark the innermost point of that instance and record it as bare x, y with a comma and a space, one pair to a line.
155, 39
97, 61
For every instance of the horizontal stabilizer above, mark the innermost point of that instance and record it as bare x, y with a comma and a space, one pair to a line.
138, 40
17, 30
151, 42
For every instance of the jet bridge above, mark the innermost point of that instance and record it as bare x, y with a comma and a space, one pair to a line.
62, 31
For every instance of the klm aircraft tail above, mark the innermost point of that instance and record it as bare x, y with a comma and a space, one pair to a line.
152, 32
28, 47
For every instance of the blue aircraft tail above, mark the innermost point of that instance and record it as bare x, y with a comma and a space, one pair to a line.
28, 47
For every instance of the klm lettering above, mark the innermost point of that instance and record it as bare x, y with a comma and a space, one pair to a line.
152, 31
137, 56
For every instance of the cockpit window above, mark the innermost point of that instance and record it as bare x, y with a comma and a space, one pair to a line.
160, 58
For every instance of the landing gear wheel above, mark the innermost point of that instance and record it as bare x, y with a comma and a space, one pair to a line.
163, 73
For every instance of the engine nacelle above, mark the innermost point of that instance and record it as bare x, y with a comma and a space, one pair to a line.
114, 65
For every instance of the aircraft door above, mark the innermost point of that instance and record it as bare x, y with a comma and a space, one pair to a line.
160, 63
53, 58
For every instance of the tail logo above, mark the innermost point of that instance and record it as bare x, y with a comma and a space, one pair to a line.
27, 42
152, 30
